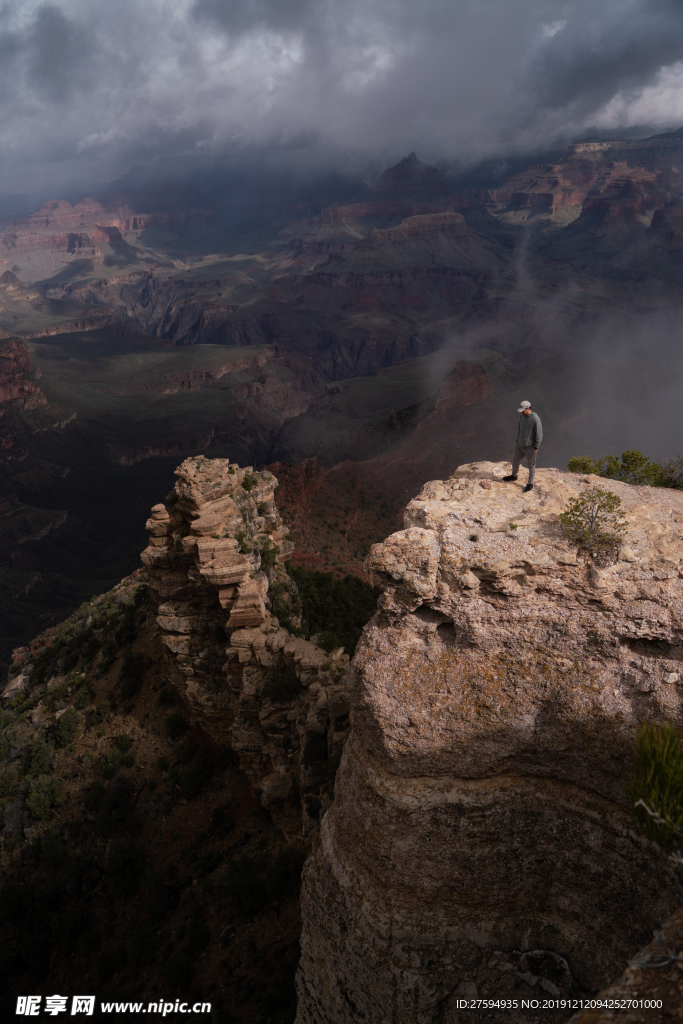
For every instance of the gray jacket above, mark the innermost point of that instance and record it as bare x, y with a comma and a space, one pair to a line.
530, 431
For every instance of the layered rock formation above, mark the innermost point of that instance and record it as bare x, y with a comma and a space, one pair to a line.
480, 843
561, 192
215, 559
106, 220
18, 376
19, 392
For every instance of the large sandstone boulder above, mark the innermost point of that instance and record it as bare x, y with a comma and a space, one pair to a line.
480, 843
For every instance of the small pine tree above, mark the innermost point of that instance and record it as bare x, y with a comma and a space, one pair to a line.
584, 464
631, 468
593, 520
656, 788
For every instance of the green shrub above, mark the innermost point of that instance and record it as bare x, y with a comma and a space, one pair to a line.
657, 782
109, 762
83, 697
335, 609
242, 541
593, 520
165, 697
249, 483
101, 712
176, 725
107, 656
42, 663
281, 686
37, 759
124, 743
269, 553
8, 776
66, 727
44, 793
162, 763
632, 468
262, 508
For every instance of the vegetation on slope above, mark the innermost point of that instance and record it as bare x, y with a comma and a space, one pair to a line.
632, 468
332, 609
135, 857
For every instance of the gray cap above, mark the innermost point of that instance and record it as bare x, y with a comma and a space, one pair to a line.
523, 406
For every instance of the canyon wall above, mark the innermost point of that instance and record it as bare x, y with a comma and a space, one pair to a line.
480, 843
19, 391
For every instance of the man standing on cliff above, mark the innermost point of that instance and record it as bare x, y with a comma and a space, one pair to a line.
529, 437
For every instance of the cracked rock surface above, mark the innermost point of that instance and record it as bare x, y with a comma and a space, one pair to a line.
215, 561
480, 844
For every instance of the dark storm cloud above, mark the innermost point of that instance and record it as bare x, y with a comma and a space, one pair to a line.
90, 86
604, 48
243, 15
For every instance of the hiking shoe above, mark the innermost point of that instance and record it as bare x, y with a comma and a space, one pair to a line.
508, 478
529, 487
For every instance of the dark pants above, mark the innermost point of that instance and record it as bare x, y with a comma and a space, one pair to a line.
525, 453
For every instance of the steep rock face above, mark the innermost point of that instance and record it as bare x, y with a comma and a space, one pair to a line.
19, 391
18, 375
215, 559
480, 836
59, 225
412, 179
466, 384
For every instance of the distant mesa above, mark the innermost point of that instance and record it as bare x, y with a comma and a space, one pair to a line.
411, 179
647, 149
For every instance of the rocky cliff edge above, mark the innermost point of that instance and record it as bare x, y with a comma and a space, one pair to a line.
480, 844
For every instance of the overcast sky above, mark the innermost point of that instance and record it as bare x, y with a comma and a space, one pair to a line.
90, 87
